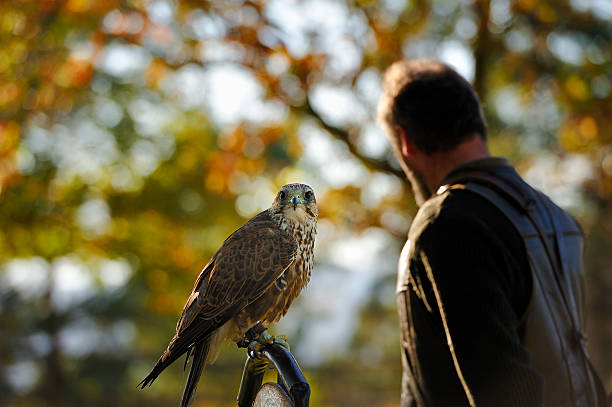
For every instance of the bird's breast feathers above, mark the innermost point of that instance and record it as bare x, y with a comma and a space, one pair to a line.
297, 216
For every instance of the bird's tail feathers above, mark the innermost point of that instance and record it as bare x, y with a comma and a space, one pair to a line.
197, 332
200, 352
157, 369
171, 353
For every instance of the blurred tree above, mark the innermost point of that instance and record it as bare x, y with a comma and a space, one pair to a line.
122, 122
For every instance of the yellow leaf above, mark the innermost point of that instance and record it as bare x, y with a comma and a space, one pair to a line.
588, 128
576, 88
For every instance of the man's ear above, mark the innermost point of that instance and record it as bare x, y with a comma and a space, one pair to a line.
406, 145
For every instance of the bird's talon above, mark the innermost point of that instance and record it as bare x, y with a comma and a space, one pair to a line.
282, 340
252, 334
265, 338
257, 338
255, 348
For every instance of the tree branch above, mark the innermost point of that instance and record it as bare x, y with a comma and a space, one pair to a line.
482, 47
345, 137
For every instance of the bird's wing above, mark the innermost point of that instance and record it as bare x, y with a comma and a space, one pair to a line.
247, 263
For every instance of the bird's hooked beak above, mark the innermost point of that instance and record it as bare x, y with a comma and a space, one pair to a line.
295, 201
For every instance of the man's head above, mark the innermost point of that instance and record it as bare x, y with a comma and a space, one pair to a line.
429, 108
434, 105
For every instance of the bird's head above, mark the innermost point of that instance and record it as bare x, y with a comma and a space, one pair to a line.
296, 201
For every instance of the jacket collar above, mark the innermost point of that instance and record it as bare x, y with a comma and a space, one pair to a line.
489, 164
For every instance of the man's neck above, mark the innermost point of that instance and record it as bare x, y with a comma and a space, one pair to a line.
442, 163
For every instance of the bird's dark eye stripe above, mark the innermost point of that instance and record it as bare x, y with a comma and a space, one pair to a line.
282, 195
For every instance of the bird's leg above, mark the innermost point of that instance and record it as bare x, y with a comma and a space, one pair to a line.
265, 338
251, 335
257, 337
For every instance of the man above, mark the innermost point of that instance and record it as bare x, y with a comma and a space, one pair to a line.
489, 281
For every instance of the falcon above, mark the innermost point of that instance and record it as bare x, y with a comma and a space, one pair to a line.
254, 277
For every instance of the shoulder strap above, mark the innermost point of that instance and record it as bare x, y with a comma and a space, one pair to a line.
512, 192
526, 201
527, 204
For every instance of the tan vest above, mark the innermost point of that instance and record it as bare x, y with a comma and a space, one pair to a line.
554, 320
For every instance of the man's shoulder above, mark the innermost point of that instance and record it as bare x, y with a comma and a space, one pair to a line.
427, 213
453, 208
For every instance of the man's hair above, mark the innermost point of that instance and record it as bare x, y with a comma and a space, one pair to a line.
436, 107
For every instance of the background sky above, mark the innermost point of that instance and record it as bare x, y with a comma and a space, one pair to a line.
136, 135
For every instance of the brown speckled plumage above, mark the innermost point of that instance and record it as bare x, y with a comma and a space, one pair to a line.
255, 275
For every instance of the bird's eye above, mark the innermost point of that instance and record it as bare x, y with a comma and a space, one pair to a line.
308, 195
282, 195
